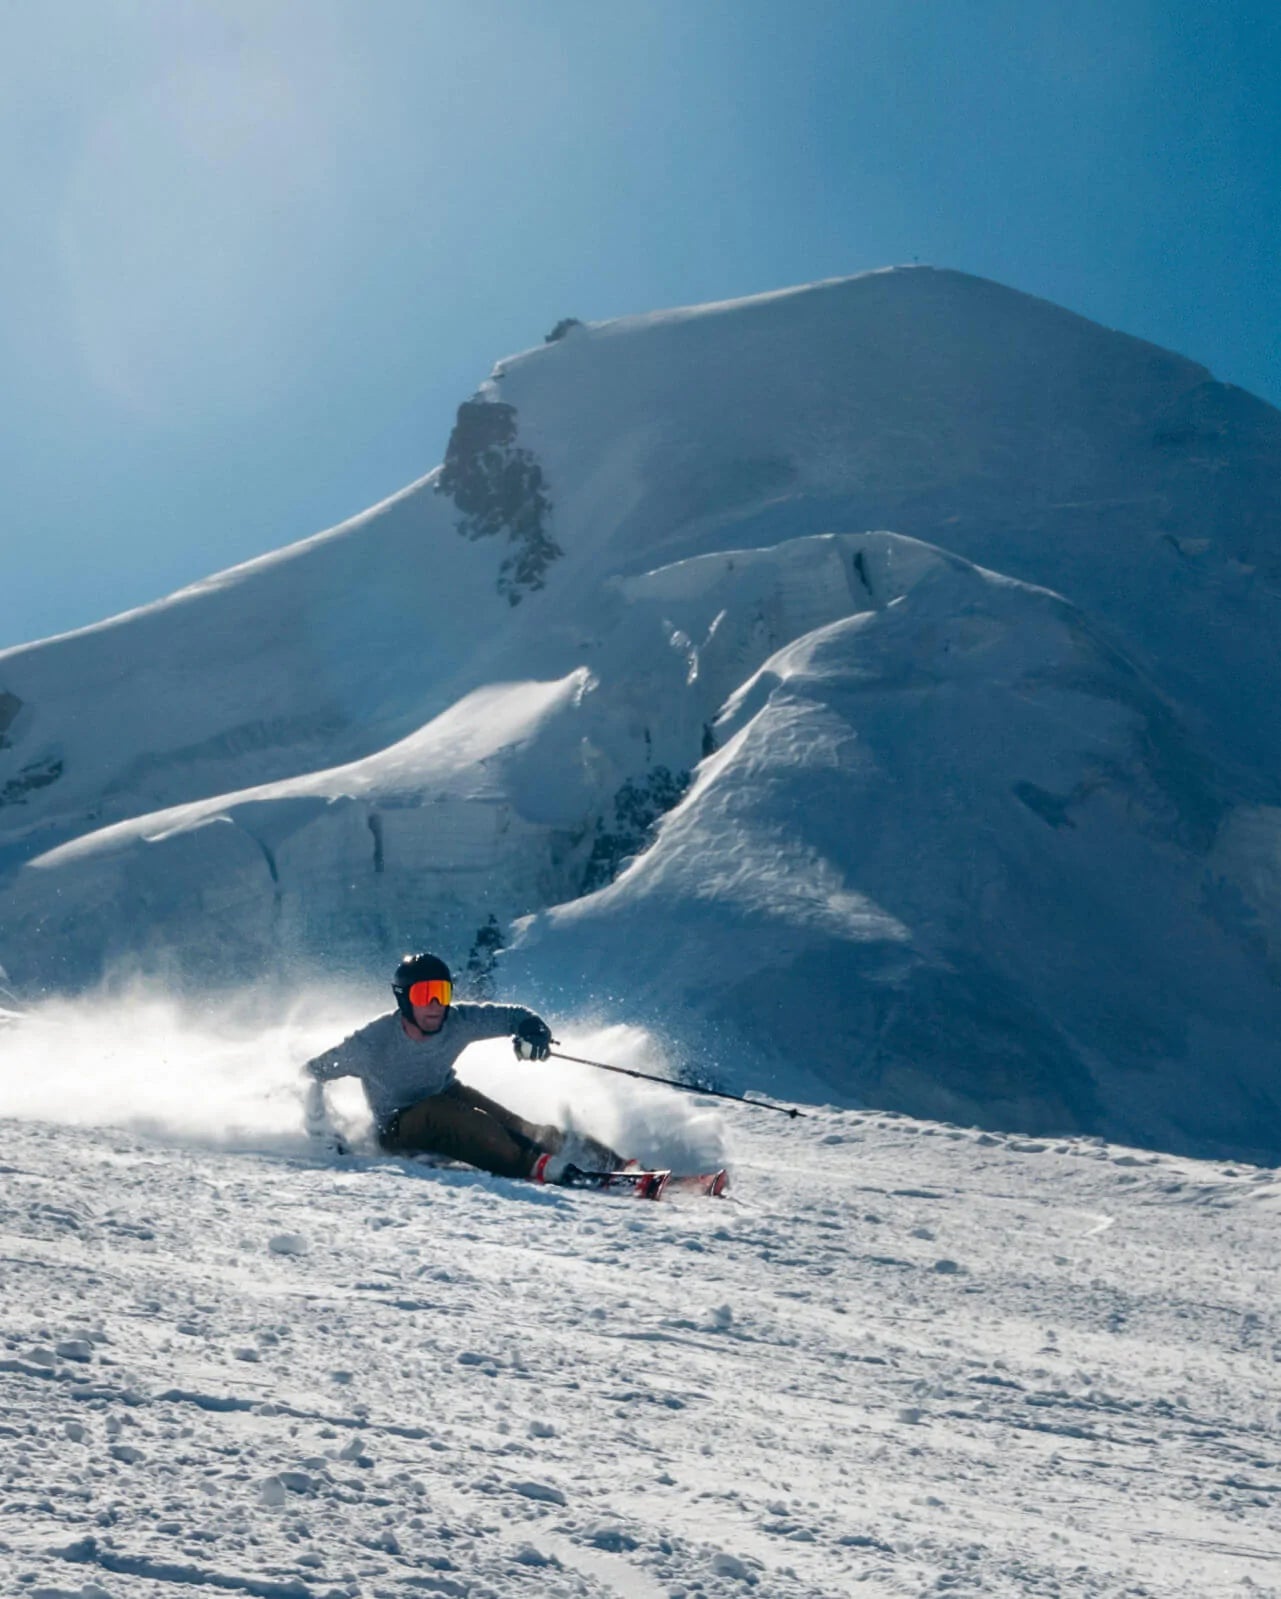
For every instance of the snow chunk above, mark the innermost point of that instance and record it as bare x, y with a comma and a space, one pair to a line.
528, 1555
544, 1491
609, 1535
288, 1244
727, 1565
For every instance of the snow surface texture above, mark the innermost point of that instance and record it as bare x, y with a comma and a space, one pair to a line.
903, 1358
983, 817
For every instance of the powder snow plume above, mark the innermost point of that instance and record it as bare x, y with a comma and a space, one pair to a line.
225, 1072
222, 1072
657, 1126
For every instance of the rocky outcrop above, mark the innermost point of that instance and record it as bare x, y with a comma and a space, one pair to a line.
500, 490
36, 775
10, 705
639, 806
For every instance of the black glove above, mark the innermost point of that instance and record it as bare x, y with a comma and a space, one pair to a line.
533, 1039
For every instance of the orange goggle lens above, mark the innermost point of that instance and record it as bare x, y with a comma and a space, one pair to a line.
435, 988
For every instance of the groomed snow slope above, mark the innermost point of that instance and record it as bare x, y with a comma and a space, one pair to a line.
902, 1358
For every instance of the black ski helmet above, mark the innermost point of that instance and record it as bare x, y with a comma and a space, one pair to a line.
416, 969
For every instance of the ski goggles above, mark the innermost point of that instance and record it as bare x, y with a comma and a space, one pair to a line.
439, 988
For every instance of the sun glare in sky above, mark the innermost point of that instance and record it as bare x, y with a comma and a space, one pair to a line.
183, 215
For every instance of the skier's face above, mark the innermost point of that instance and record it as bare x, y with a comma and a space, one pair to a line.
430, 1018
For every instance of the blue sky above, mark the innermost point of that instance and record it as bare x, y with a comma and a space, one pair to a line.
256, 254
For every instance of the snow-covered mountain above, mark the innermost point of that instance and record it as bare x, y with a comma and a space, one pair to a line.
955, 848
978, 816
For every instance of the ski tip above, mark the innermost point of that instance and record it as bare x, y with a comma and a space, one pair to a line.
711, 1183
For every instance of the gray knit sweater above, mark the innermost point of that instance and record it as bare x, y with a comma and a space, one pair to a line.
396, 1070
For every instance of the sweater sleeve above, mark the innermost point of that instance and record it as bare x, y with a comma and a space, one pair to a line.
493, 1021
346, 1060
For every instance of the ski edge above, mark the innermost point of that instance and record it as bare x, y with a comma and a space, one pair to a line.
651, 1184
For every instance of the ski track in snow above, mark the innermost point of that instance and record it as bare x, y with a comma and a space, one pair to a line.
902, 1359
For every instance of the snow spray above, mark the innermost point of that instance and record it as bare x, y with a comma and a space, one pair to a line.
650, 1124
225, 1072
222, 1071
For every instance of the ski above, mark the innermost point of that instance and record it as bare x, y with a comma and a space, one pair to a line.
631, 1180
648, 1184
641, 1184
711, 1183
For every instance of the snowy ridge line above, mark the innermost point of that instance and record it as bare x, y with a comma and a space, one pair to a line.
229, 576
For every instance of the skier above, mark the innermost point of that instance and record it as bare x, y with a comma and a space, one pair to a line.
405, 1062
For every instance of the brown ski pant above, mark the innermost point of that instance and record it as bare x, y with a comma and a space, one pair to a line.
460, 1123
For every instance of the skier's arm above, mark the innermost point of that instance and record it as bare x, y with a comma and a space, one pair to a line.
528, 1031
315, 1111
316, 1119
343, 1061
346, 1060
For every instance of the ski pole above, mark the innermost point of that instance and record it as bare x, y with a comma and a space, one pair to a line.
716, 1093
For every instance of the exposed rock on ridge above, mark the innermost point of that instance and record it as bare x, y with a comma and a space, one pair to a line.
10, 705
499, 488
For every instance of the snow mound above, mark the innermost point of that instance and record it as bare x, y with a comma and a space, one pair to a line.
953, 854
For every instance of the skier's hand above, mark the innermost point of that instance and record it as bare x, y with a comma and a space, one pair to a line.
315, 1112
533, 1039
322, 1132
